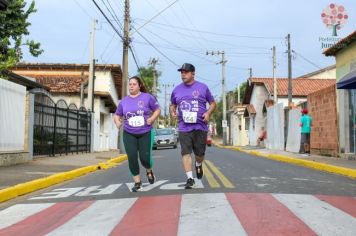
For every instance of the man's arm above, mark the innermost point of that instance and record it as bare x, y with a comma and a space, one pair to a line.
173, 110
208, 113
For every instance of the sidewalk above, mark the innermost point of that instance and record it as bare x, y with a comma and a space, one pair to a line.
330, 164
44, 167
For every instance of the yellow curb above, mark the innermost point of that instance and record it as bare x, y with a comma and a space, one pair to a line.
306, 163
315, 165
34, 185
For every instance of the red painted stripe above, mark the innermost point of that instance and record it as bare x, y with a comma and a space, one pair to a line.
47, 220
262, 214
156, 215
346, 204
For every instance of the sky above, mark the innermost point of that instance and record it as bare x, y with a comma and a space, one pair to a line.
245, 30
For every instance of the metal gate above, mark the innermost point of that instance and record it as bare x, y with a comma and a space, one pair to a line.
59, 128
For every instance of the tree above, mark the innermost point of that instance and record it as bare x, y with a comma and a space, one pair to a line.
334, 17
13, 27
217, 117
147, 77
242, 92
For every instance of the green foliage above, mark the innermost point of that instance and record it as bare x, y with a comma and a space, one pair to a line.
217, 117
13, 26
242, 92
147, 74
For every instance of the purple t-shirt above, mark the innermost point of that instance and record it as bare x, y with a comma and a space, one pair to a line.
191, 102
136, 111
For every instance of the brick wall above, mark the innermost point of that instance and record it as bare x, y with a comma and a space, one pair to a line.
322, 109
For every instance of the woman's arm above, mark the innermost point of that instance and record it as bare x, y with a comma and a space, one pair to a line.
154, 116
118, 121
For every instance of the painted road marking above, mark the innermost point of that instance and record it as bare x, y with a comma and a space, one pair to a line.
320, 216
187, 214
208, 214
226, 182
105, 220
20, 212
210, 178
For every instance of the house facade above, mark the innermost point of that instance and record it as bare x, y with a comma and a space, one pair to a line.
259, 96
64, 82
345, 54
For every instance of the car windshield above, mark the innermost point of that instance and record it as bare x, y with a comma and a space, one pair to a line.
164, 131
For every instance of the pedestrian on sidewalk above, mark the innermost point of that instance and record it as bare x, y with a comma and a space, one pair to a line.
305, 124
262, 136
191, 98
138, 111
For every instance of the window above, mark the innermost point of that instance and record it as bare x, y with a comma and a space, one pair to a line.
247, 123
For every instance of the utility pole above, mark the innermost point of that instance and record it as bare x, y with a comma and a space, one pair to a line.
91, 69
165, 86
222, 62
153, 62
82, 90
238, 94
125, 64
274, 76
290, 88
126, 44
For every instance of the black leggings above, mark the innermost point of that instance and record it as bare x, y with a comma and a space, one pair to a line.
139, 146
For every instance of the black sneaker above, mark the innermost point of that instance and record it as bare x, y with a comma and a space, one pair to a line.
189, 184
150, 176
137, 187
199, 170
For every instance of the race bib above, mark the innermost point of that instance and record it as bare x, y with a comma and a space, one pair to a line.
190, 117
136, 121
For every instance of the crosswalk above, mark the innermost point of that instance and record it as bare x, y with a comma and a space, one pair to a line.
187, 214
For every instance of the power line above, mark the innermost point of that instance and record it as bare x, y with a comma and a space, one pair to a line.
159, 51
159, 13
214, 33
107, 19
83, 9
312, 63
178, 47
113, 15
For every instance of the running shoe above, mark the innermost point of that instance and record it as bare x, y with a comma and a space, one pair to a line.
199, 171
137, 187
150, 176
189, 184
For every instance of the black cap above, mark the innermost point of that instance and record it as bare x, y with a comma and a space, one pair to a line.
187, 67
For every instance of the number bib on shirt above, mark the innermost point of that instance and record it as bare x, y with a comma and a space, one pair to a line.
190, 117
136, 121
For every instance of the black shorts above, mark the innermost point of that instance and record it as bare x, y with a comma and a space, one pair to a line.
193, 141
305, 138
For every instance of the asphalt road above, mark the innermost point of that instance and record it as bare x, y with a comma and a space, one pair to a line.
238, 190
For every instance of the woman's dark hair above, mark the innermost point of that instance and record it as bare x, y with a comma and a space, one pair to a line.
140, 83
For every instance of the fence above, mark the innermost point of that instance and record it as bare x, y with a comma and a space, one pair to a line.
59, 128
12, 116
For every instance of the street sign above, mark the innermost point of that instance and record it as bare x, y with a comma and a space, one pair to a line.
224, 123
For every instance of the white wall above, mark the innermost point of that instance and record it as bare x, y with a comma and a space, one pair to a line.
258, 97
12, 116
329, 74
296, 101
275, 127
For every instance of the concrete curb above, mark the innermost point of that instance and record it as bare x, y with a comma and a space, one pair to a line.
306, 163
34, 185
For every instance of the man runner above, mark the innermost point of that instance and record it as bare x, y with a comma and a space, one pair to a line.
191, 97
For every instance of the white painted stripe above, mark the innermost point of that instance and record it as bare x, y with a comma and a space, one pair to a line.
98, 219
208, 214
19, 212
321, 217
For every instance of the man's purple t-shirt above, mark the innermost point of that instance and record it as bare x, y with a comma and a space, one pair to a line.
136, 111
191, 103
